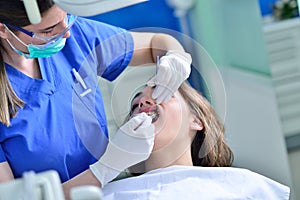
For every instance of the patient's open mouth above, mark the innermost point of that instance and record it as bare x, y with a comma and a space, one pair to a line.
154, 114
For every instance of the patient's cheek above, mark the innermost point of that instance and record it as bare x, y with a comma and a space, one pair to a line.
169, 123
165, 134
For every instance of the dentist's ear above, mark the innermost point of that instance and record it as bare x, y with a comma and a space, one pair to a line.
196, 124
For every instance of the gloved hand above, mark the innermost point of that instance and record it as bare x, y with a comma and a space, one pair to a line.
173, 69
132, 144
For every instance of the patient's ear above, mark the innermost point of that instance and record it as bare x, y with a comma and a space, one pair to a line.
196, 124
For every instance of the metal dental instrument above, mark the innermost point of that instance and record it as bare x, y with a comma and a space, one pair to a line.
157, 64
153, 114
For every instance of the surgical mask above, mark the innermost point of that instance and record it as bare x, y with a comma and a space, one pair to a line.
36, 52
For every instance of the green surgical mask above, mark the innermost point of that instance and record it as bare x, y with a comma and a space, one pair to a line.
36, 52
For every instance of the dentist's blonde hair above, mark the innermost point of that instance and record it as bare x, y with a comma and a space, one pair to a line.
13, 12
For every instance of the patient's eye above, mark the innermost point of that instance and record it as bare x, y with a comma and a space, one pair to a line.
133, 107
134, 103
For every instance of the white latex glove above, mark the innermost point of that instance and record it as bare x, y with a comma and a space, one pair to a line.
173, 69
132, 144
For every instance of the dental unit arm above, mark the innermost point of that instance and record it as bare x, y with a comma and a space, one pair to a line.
78, 7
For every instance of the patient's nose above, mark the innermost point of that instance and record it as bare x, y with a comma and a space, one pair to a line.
146, 101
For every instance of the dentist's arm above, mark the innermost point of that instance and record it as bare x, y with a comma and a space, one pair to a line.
85, 178
6, 173
149, 45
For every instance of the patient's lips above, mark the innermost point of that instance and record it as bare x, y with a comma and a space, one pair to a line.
152, 112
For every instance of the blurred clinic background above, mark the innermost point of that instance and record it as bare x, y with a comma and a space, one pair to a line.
254, 46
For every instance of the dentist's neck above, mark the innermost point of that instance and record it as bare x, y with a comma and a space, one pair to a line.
30, 67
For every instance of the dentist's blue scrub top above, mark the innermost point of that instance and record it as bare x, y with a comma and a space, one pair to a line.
59, 127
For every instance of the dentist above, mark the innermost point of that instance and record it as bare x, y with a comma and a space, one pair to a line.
49, 107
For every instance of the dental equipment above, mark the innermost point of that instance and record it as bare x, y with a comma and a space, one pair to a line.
157, 65
78, 7
45, 186
32, 11
154, 114
181, 9
33, 186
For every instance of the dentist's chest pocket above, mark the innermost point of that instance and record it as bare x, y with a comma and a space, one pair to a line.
87, 103
89, 115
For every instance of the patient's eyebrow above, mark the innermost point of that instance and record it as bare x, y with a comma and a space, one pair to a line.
135, 96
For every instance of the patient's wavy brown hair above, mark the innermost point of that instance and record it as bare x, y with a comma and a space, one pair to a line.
209, 148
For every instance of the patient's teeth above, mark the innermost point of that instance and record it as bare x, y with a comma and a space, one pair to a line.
153, 114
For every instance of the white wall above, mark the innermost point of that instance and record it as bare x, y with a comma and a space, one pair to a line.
253, 125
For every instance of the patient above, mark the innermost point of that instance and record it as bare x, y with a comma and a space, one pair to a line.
188, 133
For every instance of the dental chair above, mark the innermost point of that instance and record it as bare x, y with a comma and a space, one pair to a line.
44, 186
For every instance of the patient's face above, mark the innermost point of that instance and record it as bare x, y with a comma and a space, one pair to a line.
172, 121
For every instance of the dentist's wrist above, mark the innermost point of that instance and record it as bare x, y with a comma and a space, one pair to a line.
103, 173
